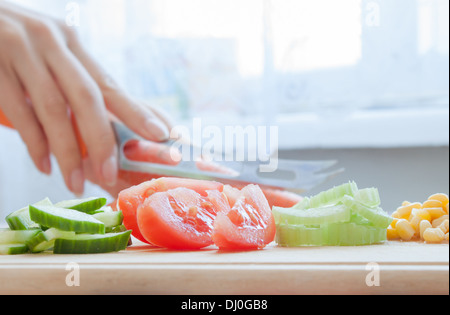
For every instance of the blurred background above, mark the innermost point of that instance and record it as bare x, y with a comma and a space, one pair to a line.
365, 82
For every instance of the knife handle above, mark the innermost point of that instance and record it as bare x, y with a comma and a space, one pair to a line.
5, 122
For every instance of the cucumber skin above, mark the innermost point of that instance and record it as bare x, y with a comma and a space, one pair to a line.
92, 245
50, 220
87, 206
13, 249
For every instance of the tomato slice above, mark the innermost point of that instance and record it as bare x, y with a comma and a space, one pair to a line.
180, 219
248, 224
130, 199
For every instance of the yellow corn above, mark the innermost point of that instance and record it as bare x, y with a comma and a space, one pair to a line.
394, 223
441, 197
405, 230
435, 213
405, 203
433, 235
439, 221
392, 234
444, 226
446, 237
415, 223
446, 208
404, 212
423, 214
430, 203
424, 225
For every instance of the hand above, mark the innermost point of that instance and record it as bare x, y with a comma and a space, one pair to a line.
47, 77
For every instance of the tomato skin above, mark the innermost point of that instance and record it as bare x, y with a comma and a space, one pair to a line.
248, 225
178, 219
130, 199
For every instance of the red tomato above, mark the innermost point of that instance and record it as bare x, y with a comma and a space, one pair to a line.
130, 199
248, 224
179, 219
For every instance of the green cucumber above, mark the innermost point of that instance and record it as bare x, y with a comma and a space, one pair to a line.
110, 219
20, 219
46, 240
13, 249
83, 205
92, 244
8, 237
66, 220
316, 216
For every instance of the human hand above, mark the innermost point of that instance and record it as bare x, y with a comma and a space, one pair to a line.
46, 78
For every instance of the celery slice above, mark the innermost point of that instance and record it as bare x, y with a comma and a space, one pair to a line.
337, 234
377, 216
316, 216
369, 197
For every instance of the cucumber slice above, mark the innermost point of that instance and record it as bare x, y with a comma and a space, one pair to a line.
46, 240
377, 216
84, 205
92, 244
13, 249
17, 237
338, 234
316, 216
66, 220
20, 219
110, 219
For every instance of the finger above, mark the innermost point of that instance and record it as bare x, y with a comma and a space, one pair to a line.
50, 107
86, 102
24, 120
141, 119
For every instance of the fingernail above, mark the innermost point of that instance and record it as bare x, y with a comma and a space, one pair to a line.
156, 130
109, 171
46, 165
77, 181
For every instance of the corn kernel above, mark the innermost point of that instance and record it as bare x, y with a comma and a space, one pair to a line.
405, 212
446, 208
406, 203
421, 213
446, 237
394, 223
415, 223
433, 204
444, 226
435, 213
395, 215
441, 197
433, 235
424, 225
392, 234
439, 221
405, 230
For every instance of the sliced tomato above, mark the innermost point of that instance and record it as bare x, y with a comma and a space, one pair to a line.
248, 224
180, 218
130, 199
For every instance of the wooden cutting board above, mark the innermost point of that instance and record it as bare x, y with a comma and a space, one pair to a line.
391, 268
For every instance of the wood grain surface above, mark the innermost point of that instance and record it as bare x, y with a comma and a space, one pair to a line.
403, 268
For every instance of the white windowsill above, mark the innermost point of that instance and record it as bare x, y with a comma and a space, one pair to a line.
360, 129
366, 129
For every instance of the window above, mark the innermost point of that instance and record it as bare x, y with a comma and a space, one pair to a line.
321, 67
